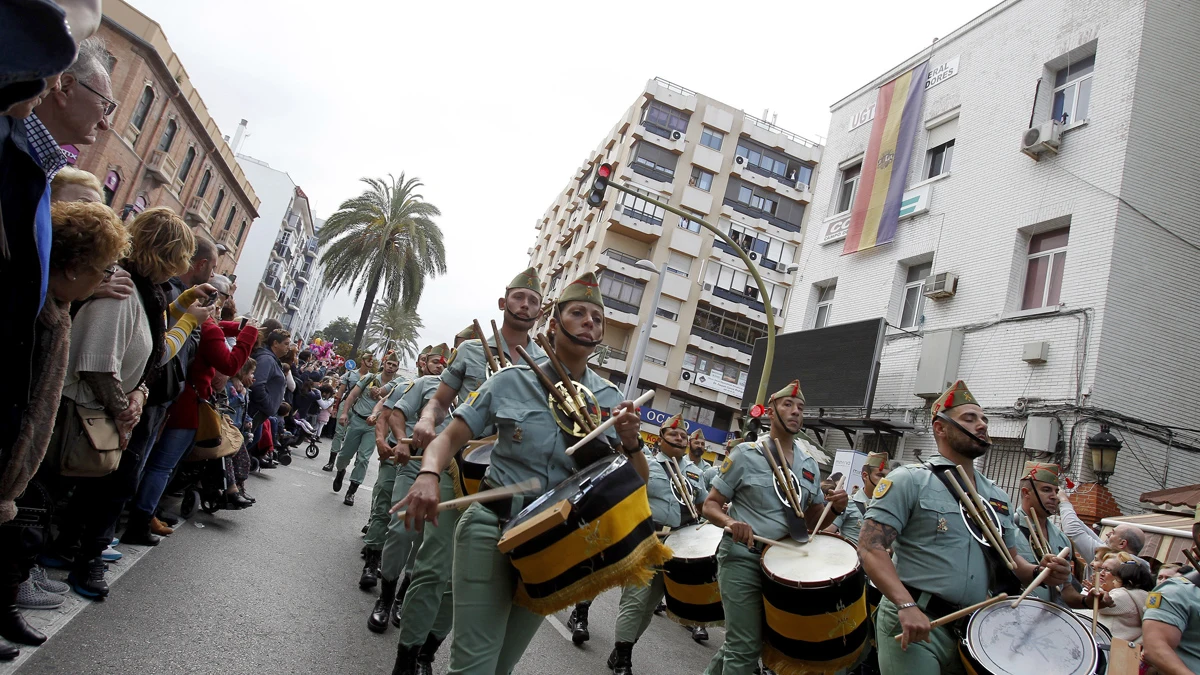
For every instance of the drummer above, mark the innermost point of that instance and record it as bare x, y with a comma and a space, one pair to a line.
746, 482
1171, 624
694, 465
491, 633
668, 510
429, 597
874, 469
940, 567
1039, 496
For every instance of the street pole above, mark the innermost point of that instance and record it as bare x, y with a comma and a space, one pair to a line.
639, 353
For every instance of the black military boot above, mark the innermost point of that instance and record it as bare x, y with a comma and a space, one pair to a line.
329, 466
370, 570
137, 530
337, 480
699, 633
383, 606
406, 661
349, 500
623, 664
578, 624
426, 654
398, 607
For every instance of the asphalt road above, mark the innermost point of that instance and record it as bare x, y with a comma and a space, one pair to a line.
274, 589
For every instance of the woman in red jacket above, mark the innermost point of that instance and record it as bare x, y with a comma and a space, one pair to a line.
213, 354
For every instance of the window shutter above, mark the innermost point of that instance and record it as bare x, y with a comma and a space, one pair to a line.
943, 133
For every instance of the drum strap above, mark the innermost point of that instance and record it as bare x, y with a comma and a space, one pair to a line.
1194, 577
1000, 578
862, 508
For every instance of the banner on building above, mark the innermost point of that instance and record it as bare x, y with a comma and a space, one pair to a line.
876, 210
660, 417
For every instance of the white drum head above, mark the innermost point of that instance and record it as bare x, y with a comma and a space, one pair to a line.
480, 455
1036, 637
695, 541
823, 559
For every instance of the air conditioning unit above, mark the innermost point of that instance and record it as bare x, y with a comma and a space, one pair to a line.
753, 255
943, 285
739, 160
676, 135
803, 187
1042, 138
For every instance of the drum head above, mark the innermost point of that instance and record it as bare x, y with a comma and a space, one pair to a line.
480, 455
569, 488
825, 559
695, 541
1036, 637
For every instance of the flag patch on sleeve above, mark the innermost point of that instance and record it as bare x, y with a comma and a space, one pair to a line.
1154, 601
882, 488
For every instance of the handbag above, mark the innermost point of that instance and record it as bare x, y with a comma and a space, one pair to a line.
87, 441
216, 436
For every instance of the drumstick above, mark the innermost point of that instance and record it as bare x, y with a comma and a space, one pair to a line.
829, 505
549, 386
1095, 601
788, 486
1012, 564
772, 542
483, 496
684, 490
955, 616
1037, 581
1191, 558
500, 355
779, 476
1040, 546
487, 351
604, 426
568, 384
970, 506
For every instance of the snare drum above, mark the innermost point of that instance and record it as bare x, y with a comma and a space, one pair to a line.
1037, 637
815, 601
1103, 638
469, 466
690, 576
604, 539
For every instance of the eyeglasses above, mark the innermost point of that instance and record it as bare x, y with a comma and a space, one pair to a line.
110, 106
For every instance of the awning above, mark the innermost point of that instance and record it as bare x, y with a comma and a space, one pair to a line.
850, 425
1167, 535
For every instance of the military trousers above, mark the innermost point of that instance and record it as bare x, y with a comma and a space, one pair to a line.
939, 656
739, 576
381, 501
359, 443
339, 432
429, 602
400, 545
637, 608
490, 632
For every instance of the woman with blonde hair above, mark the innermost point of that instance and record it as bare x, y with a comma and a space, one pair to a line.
1126, 582
71, 184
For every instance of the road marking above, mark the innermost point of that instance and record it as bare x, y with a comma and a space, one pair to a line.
558, 626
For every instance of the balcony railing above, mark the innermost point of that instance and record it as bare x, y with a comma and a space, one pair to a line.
762, 262
717, 338
197, 212
674, 87
795, 138
620, 305
748, 210
620, 256
734, 296
161, 167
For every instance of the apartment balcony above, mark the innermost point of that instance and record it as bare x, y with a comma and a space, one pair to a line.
759, 218
772, 270
793, 190
161, 167
301, 277
619, 261
616, 360
720, 345
634, 224
739, 303
667, 139
620, 313
292, 222
198, 212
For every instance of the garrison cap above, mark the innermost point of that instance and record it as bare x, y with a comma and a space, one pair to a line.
698, 433
674, 422
876, 460
583, 289
1042, 472
956, 395
527, 280
441, 350
467, 333
791, 390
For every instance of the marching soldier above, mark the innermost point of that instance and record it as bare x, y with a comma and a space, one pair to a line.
1171, 624
874, 469
422, 358
1039, 496
359, 416
669, 509
940, 567
748, 485
491, 633
345, 386
428, 606
694, 465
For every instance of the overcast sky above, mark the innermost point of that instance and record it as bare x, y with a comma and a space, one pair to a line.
493, 105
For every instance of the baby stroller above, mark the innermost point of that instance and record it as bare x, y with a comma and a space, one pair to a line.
204, 485
305, 432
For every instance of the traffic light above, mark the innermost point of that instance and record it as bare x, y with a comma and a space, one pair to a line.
599, 185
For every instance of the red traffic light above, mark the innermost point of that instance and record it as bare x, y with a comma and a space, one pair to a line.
758, 411
604, 170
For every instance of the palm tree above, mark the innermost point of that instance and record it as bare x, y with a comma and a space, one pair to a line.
394, 326
384, 238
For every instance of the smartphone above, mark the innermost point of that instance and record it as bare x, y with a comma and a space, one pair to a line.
243, 323
232, 278
208, 302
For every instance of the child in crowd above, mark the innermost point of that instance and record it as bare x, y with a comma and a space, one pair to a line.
323, 407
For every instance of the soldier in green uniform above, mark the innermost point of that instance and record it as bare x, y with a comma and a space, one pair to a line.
490, 632
428, 605
748, 485
359, 416
345, 386
421, 361
1039, 495
874, 469
939, 566
1171, 623
694, 465
399, 544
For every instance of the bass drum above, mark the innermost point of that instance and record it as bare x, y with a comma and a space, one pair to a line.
469, 469
1035, 638
690, 576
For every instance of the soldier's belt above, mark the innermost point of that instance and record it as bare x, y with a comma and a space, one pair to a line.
935, 606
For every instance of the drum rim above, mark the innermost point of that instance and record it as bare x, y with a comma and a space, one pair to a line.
465, 455
611, 464
970, 647
762, 564
697, 528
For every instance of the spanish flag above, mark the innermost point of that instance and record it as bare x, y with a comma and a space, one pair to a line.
881, 184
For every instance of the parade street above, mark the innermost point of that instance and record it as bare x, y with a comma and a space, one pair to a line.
275, 589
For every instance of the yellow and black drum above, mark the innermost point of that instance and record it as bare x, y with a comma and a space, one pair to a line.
815, 601
1037, 637
690, 576
590, 533
469, 467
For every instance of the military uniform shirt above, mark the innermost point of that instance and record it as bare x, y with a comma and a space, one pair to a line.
365, 405
849, 524
529, 443
1176, 602
935, 551
411, 399
666, 505
695, 471
747, 481
1058, 541
468, 368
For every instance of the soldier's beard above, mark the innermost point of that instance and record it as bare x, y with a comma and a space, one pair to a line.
967, 447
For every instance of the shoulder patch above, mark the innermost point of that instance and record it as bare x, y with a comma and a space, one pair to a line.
808, 475
1154, 601
882, 489
1000, 505
453, 355
409, 386
471, 398
727, 464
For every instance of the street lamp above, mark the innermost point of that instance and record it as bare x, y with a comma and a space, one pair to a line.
1104, 447
639, 354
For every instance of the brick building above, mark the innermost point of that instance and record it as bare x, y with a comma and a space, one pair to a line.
164, 149
1075, 259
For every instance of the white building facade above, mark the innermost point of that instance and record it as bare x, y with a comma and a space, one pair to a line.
278, 275
1066, 258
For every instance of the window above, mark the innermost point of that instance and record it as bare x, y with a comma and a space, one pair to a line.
168, 136
143, 108
941, 149
678, 263
639, 208
914, 300
111, 182
732, 284
1073, 91
727, 328
690, 225
701, 179
186, 167
849, 187
204, 184
711, 138
772, 253
662, 119
691, 410
217, 205
654, 162
1044, 271
825, 304
747, 196
622, 292
668, 307
241, 231
229, 218
657, 352
714, 366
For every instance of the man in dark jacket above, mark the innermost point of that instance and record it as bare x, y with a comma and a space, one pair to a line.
270, 383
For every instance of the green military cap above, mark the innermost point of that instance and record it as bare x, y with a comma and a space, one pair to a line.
876, 460
674, 422
792, 390
1042, 472
699, 433
390, 356
467, 333
425, 352
957, 394
442, 350
583, 289
527, 280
